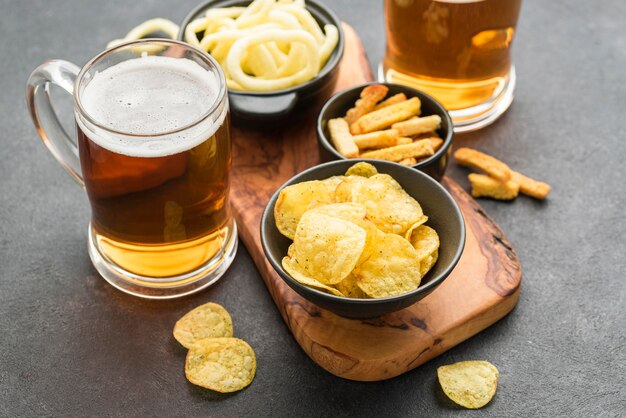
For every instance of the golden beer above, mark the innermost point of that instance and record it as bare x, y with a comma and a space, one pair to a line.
153, 151
159, 216
459, 51
156, 172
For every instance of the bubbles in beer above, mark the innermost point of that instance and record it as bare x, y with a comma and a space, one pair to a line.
149, 96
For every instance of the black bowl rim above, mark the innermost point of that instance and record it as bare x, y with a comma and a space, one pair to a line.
447, 141
333, 60
432, 284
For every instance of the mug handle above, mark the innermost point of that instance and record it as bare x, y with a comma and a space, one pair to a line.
60, 144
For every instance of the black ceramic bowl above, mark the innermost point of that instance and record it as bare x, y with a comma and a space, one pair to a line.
443, 214
268, 108
338, 105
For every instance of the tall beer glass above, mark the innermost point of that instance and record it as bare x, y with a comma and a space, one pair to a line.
153, 151
459, 51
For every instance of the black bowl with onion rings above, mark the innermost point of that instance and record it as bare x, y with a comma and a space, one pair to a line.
265, 109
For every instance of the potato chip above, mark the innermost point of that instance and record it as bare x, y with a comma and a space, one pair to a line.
355, 213
362, 169
333, 182
296, 199
390, 208
221, 364
471, 384
358, 244
393, 268
349, 288
348, 190
409, 232
295, 271
327, 248
206, 321
425, 240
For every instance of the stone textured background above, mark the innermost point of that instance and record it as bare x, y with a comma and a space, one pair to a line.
73, 346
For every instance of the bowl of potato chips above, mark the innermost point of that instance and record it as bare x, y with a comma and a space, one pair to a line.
389, 122
362, 238
277, 55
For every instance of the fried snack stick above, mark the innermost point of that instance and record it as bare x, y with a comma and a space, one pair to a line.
404, 140
341, 138
483, 162
425, 135
370, 95
396, 98
387, 116
485, 186
408, 161
377, 139
436, 142
530, 187
418, 125
418, 149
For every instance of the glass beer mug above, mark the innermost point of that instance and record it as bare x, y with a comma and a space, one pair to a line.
459, 51
153, 152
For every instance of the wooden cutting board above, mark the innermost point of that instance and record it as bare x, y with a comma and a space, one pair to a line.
483, 287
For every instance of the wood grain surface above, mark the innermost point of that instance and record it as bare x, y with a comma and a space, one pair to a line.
483, 288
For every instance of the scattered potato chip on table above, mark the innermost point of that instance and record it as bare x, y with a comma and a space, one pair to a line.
221, 364
215, 359
206, 321
471, 384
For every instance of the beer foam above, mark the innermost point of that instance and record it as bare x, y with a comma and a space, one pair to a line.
151, 96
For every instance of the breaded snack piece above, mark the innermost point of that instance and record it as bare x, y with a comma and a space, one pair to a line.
408, 161
387, 116
436, 142
396, 98
404, 140
483, 162
341, 138
370, 95
530, 187
417, 149
425, 135
377, 139
362, 169
485, 186
418, 125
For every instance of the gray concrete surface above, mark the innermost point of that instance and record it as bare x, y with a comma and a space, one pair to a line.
71, 345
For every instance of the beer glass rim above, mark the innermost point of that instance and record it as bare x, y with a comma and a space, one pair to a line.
207, 58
